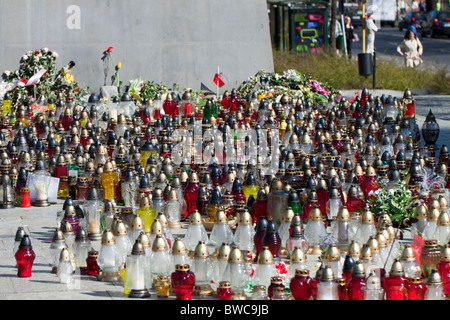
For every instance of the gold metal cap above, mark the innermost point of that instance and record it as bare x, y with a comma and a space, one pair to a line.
144, 239
434, 278
224, 252
245, 218
443, 219
58, 236
120, 228
195, 219
434, 204
64, 256
108, 238
288, 214
297, 256
421, 212
236, 256
408, 253
343, 214
145, 202
327, 275
382, 241
156, 228
224, 285
358, 270
265, 256
366, 252
445, 253
201, 250
332, 253
108, 167
182, 267
301, 272
159, 244
193, 177
162, 218
315, 214
138, 248
374, 245
137, 223
178, 247
220, 217
67, 228
172, 195
397, 269
276, 186
367, 216
443, 203
354, 249
433, 214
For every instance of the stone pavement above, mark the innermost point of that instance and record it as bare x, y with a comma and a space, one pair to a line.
40, 224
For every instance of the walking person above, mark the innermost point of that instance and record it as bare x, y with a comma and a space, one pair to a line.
350, 35
411, 49
371, 28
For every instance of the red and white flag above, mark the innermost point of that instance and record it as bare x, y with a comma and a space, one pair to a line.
220, 79
36, 77
20, 83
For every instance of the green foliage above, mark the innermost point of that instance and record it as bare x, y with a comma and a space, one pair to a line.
270, 86
396, 202
49, 84
343, 73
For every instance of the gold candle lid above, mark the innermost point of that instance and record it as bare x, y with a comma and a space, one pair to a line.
224, 252
235, 256
108, 238
265, 256
182, 267
201, 250
159, 244
64, 256
297, 256
119, 228
178, 247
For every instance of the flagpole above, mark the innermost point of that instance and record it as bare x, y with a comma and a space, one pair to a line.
217, 84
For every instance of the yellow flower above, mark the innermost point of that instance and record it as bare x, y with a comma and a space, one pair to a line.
261, 96
65, 71
119, 65
269, 95
69, 78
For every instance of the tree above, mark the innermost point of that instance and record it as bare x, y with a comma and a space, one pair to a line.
332, 47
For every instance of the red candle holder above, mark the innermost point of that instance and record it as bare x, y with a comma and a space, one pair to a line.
25, 257
92, 268
25, 201
224, 291
183, 281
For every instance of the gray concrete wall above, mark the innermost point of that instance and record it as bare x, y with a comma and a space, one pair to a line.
159, 40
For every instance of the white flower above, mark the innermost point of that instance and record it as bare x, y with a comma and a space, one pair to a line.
44, 50
24, 57
7, 73
55, 55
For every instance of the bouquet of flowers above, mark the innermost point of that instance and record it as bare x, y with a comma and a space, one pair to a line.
52, 80
145, 89
271, 86
396, 202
